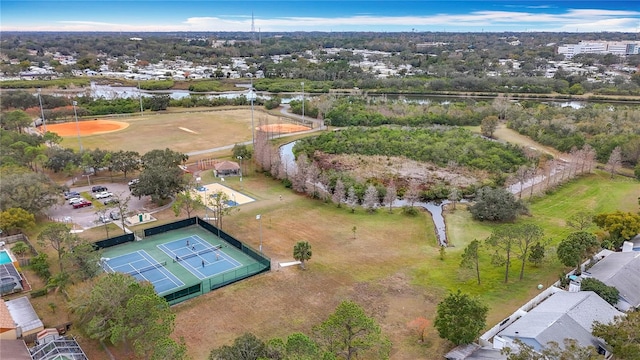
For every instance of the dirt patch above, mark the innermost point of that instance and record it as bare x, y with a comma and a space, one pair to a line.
282, 128
91, 127
364, 167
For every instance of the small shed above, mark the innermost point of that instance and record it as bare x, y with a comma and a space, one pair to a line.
226, 168
24, 316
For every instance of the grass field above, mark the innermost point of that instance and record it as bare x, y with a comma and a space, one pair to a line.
184, 131
391, 267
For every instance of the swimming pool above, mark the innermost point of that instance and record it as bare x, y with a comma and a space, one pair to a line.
4, 257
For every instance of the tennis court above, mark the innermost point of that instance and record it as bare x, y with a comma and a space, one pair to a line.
199, 257
143, 267
183, 259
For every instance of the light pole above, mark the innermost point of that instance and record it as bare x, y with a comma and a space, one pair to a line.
88, 179
206, 207
251, 96
302, 83
44, 123
259, 218
140, 96
77, 124
240, 158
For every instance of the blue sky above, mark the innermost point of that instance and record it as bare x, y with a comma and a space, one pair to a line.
322, 15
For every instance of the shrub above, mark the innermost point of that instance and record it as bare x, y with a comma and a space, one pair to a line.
609, 293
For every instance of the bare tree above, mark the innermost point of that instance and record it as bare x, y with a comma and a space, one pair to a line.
391, 195
521, 176
313, 178
615, 161
370, 201
590, 156
338, 193
299, 178
352, 199
581, 220
412, 195
454, 196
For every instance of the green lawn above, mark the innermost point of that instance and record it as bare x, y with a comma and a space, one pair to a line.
596, 193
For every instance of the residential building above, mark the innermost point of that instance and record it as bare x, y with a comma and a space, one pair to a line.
622, 271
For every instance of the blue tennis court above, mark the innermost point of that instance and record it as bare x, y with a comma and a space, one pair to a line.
199, 257
143, 267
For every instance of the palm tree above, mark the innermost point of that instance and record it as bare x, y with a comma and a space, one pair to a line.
302, 252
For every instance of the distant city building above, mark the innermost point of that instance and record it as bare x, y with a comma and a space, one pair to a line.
619, 48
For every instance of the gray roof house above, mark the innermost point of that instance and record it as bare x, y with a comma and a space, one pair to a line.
622, 271
25, 316
564, 315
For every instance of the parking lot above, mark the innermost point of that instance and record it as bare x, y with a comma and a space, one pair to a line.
87, 217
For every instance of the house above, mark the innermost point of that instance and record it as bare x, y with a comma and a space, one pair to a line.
14, 350
622, 271
226, 168
7, 325
25, 317
563, 315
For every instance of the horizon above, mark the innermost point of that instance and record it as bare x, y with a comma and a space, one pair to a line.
329, 16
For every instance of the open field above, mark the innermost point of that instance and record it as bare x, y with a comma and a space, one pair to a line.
184, 132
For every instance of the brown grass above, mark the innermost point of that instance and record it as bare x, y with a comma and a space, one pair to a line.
209, 130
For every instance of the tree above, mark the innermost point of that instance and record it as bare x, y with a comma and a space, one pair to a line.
57, 236
391, 195
300, 346
15, 219
576, 248
82, 261
349, 333
621, 226
412, 195
218, 203
609, 293
302, 252
615, 161
504, 240
32, 192
338, 196
581, 220
161, 176
187, 202
528, 234
370, 200
352, 199
245, 347
15, 120
115, 307
471, 257
419, 325
537, 254
460, 318
489, 125
552, 351
621, 335
125, 161
243, 151
20, 248
496, 205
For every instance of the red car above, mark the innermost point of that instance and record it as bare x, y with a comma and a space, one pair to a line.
81, 204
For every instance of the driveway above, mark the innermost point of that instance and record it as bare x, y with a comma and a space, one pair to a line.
86, 217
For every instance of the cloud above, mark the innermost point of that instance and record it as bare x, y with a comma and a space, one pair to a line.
570, 20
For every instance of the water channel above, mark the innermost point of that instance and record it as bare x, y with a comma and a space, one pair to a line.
434, 208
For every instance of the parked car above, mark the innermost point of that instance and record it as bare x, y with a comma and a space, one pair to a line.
71, 194
75, 200
133, 183
103, 195
82, 204
110, 201
99, 188
103, 218
114, 215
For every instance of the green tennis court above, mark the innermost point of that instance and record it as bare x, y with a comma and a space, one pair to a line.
183, 259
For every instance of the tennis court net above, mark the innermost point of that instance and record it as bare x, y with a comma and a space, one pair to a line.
147, 268
201, 252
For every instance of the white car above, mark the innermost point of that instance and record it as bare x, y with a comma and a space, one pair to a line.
103, 195
75, 200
